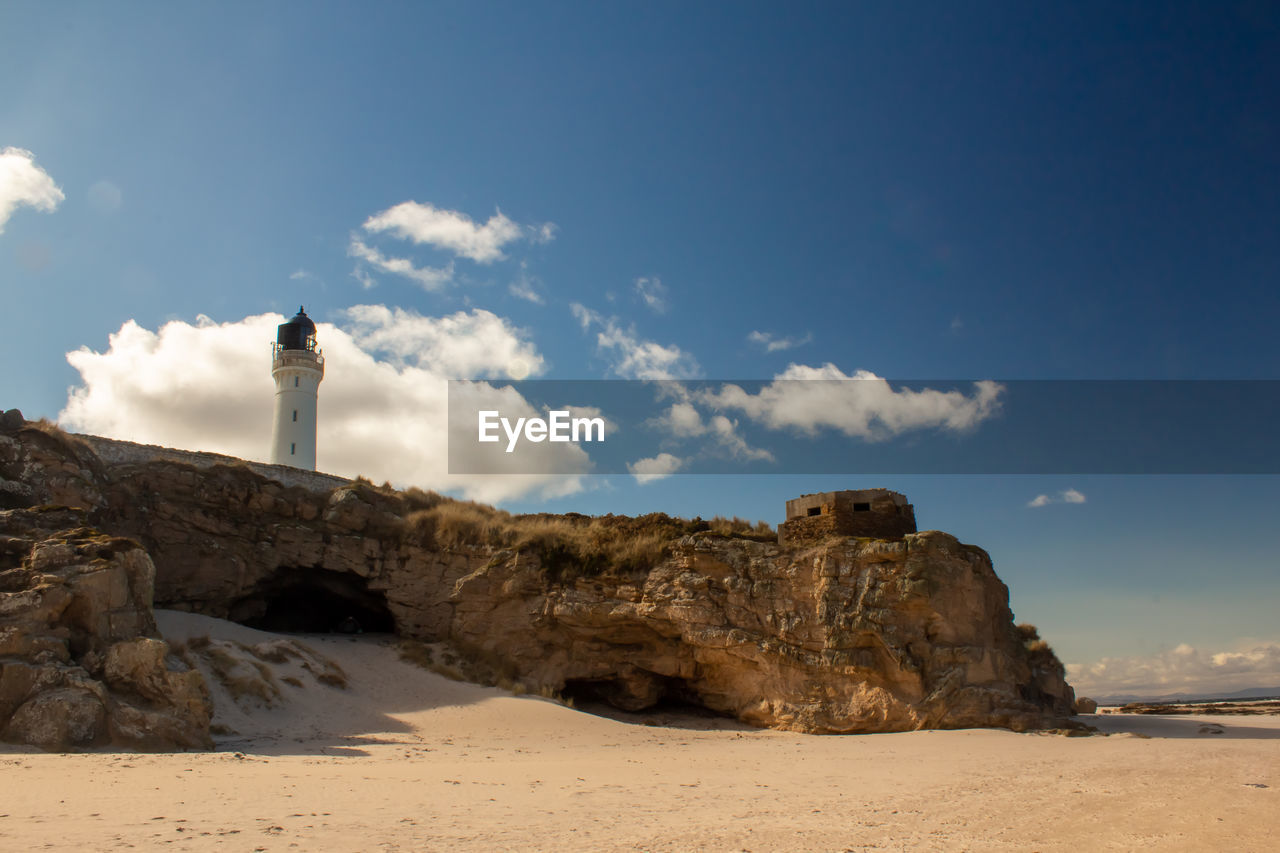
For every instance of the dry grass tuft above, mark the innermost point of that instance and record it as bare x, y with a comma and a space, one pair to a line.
477, 666
333, 679
1039, 653
73, 445
740, 528
567, 546
326, 671
246, 671
243, 679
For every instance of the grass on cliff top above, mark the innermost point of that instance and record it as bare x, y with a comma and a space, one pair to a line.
570, 545
73, 445
1039, 653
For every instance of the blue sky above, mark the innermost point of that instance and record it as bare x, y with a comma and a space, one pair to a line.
1001, 191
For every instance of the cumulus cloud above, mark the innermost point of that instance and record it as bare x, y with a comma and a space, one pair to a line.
653, 293
455, 232
862, 405
430, 278
1069, 496
682, 420
383, 408
466, 345
655, 467
22, 182
772, 343
1183, 669
631, 356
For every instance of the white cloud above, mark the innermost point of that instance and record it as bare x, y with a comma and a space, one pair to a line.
431, 278
1183, 669
867, 408
524, 287
455, 232
653, 293
22, 182
466, 345
776, 344
655, 467
682, 420
584, 315
726, 433
634, 357
1069, 496
383, 403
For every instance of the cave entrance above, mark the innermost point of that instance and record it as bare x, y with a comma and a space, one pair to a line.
314, 601
605, 696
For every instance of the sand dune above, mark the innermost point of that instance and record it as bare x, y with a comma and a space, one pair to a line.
405, 759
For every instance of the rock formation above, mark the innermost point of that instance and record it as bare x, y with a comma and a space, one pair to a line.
844, 635
81, 662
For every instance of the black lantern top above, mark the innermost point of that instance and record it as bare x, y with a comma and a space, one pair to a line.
298, 333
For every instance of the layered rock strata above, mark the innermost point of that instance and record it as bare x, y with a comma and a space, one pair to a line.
845, 635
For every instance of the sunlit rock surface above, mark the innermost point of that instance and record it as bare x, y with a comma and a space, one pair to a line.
843, 635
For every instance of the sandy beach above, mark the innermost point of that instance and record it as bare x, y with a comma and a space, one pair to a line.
406, 759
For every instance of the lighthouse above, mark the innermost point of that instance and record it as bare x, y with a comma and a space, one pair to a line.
297, 367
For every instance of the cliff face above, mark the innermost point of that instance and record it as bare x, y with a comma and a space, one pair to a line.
81, 662
853, 635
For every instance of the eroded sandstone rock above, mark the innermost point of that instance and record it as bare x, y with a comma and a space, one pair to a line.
851, 635
79, 663
846, 635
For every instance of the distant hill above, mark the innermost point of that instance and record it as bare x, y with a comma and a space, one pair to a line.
1247, 693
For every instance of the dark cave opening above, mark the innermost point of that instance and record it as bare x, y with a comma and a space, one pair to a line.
671, 696
314, 601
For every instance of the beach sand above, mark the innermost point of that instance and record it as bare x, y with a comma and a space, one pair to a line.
405, 759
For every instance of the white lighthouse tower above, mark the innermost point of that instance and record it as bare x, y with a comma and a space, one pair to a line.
297, 367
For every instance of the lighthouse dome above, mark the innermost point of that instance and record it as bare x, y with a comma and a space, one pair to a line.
298, 333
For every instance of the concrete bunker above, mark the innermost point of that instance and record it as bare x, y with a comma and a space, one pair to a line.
312, 600
874, 513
